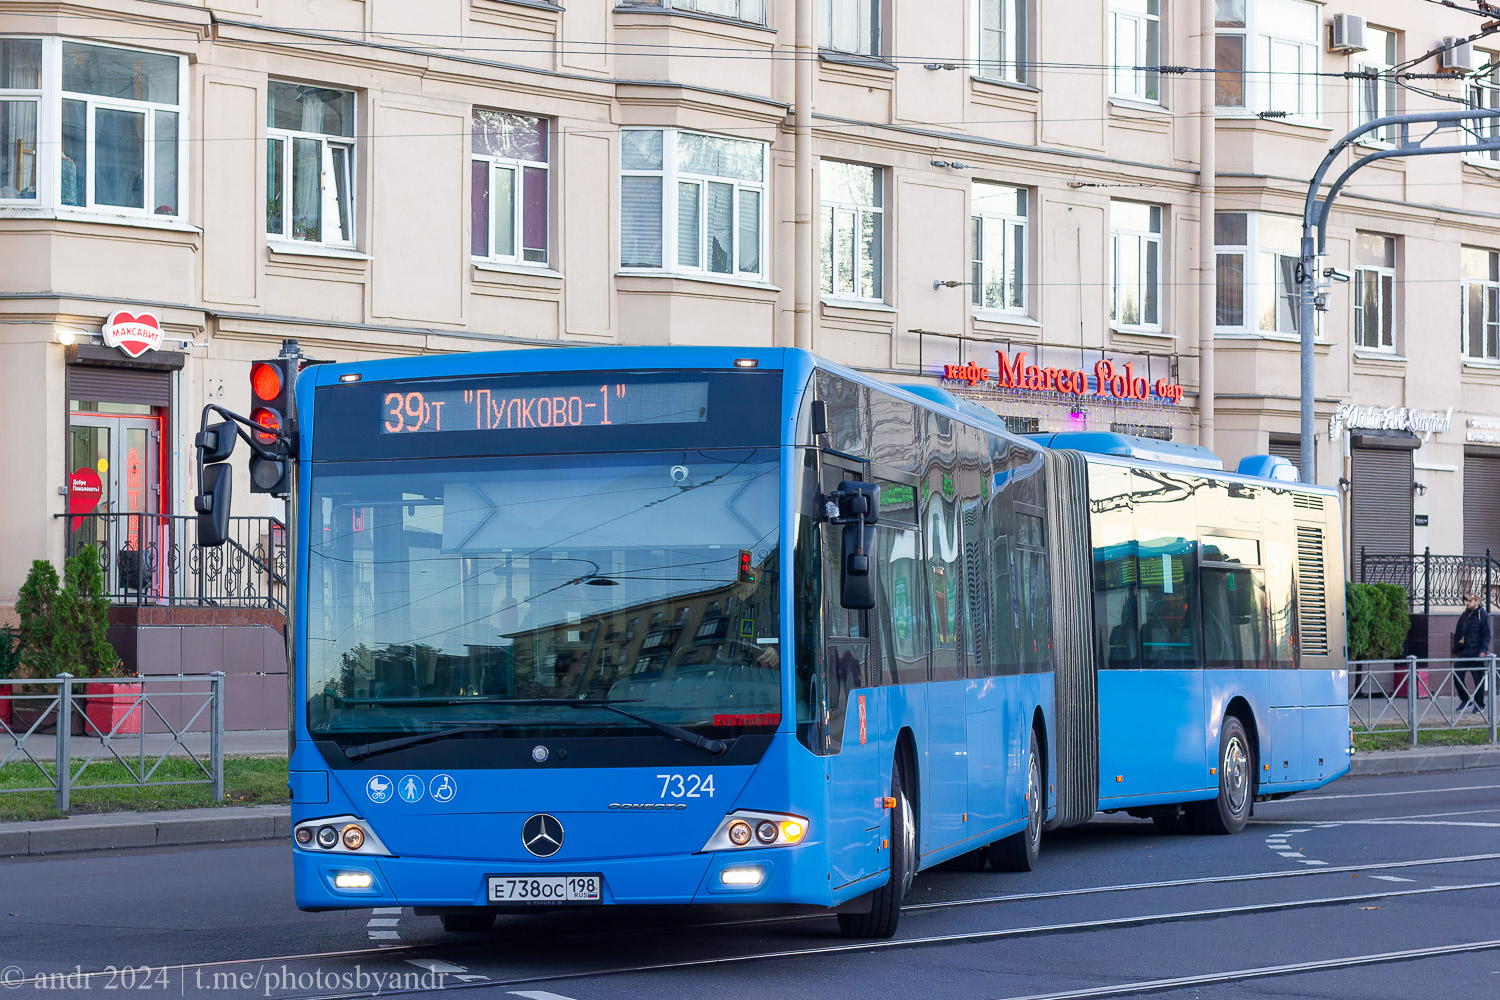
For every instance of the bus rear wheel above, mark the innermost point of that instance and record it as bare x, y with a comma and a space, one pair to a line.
1229, 811
885, 903
1019, 852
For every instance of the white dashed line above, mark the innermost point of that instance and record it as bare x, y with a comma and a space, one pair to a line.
1392, 878
1290, 854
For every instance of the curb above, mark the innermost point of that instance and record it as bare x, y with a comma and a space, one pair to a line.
1371, 762
115, 831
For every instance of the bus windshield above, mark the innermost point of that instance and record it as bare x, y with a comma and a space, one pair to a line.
446, 592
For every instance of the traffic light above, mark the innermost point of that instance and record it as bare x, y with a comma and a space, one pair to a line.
271, 384
747, 570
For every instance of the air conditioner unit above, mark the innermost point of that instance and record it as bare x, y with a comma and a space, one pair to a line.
1457, 55
1346, 33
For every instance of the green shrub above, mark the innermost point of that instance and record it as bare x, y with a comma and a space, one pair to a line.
35, 605
10, 652
1392, 621
1357, 612
81, 642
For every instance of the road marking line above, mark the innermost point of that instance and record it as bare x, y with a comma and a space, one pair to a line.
1309, 861
384, 922
1392, 878
384, 936
538, 995
437, 965
1290, 854
1382, 795
391, 910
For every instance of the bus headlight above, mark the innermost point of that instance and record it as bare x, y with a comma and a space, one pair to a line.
745, 828
338, 835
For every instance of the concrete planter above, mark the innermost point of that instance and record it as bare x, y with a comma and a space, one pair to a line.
113, 707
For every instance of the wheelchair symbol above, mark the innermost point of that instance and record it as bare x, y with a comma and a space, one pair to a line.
442, 788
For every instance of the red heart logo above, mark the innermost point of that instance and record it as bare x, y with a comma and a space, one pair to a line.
135, 334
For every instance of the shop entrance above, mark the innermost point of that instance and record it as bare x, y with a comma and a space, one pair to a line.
115, 491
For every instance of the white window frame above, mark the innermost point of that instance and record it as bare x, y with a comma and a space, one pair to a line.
741, 8
840, 12
1376, 98
1384, 279
1010, 27
1126, 82
1147, 242
518, 209
829, 248
1262, 266
1261, 33
1011, 225
1489, 303
671, 176
1484, 92
47, 164
326, 181
35, 96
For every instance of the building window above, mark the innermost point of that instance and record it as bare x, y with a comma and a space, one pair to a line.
1135, 49
1255, 266
853, 230
997, 274
1375, 292
1001, 39
1269, 60
310, 164
1377, 91
691, 202
508, 209
753, 11
850, 26
115, 138
1135, 260
1481, 288
1484, 92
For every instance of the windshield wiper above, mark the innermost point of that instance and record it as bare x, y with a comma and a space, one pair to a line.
714, 748
386, 746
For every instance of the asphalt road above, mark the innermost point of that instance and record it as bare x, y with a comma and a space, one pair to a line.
1372, 887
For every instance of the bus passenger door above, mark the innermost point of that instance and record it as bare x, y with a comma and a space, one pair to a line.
846, 680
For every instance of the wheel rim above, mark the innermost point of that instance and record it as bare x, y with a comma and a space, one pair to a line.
908, 845
1236, 774
1034, 803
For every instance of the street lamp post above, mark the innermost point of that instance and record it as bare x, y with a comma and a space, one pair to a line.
1310, 279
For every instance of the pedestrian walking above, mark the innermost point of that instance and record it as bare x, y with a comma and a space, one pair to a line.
1471, 640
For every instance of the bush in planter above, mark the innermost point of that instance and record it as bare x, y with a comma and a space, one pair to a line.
1392, 621
82, 640
36, 648
10, 663
1377, 620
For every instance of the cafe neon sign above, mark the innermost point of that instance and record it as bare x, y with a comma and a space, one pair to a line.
1110, 381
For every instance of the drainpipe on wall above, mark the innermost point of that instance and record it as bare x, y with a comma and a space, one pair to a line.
802, 228
1206, 167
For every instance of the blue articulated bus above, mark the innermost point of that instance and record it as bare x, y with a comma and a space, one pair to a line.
622, 626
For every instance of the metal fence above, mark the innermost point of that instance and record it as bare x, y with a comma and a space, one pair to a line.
1433, 580
1411, 695
156, 559
75, 723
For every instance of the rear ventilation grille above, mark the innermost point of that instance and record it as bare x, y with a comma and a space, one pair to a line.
1307, 501
1312, 592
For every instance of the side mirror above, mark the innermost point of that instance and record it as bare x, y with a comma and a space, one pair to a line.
857, 569
212, 505
216, 442
862, 500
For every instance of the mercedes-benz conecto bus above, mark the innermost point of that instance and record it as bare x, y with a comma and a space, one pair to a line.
586, 627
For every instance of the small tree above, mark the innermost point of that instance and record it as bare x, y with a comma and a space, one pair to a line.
1357, 600
1391, 621
36, 606
81, 642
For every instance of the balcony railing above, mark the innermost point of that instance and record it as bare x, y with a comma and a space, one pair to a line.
154, 559
1434, 580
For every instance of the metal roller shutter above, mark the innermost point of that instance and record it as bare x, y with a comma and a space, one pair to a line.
119, 385
1481, 504
1291, 450
1381, 503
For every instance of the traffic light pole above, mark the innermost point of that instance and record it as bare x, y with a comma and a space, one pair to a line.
1311, 280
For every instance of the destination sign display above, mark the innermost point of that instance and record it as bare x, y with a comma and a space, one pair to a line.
494, 405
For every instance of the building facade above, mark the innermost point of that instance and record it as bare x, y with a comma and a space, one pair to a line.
987, 191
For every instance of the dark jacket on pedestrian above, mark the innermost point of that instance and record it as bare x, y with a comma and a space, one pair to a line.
1471, 636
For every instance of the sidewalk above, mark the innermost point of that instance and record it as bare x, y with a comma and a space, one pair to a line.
237, 743
114, 831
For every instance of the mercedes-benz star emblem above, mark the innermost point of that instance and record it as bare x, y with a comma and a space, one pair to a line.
542, 835
539, 754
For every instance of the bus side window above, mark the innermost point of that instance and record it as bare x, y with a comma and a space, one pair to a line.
899, 598
1234, 618
808, 638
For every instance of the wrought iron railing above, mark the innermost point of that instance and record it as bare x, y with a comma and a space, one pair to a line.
156, 559
1434, 580
55, 728
1414, 695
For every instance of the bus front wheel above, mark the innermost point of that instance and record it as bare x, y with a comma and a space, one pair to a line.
1228, 812
1019, 851
885, 903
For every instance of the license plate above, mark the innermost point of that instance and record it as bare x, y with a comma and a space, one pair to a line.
546, 888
